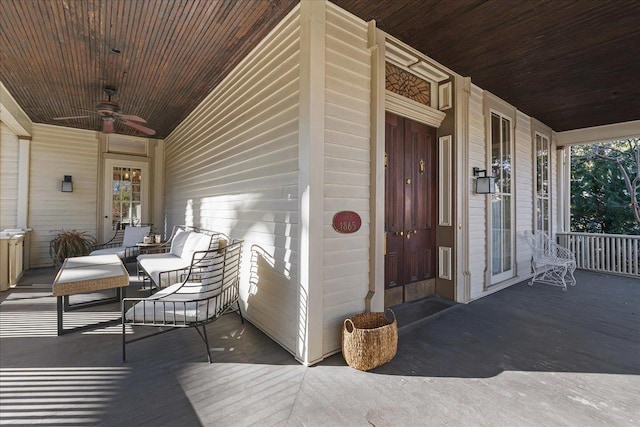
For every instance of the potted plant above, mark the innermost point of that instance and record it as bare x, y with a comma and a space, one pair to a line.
70, 244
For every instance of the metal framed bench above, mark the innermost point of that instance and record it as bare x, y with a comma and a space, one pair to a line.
209, 288
552, 263
123, 243
161, 266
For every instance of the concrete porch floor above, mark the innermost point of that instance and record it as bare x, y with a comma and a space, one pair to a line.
523, 356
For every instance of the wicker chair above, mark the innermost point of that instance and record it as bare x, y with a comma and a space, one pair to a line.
552, 264
208, 290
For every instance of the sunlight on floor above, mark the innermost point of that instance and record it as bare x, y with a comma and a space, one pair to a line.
26, 324
57, 396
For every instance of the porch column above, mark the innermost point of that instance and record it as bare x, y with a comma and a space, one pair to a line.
24, 158
462, 87
311, 181
564, 189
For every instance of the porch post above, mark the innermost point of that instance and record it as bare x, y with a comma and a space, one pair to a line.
564, 189
462, 281
311, 181
374, 301
24, 158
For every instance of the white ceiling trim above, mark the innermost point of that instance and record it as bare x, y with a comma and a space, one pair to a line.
595, 134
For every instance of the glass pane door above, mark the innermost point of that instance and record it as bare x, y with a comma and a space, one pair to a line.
502, 224
125, 195
126, 203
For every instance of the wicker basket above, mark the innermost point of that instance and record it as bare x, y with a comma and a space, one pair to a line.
369, 340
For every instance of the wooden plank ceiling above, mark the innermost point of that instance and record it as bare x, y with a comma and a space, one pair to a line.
571, 64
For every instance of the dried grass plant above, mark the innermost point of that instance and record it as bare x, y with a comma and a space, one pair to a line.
70, 243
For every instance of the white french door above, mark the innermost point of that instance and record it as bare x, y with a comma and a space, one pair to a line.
126, 194
502, 219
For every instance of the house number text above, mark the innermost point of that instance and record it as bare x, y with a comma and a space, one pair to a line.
346, 222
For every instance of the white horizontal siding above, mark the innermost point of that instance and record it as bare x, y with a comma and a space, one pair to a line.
57, 151
9, 158
477, 203
347, 168
232, 166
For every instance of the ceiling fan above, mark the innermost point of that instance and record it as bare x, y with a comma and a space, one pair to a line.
109, 112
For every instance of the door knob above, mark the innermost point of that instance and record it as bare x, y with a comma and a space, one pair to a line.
398, 233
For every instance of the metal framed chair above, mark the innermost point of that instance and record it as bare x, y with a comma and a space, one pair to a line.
552, 263
123, 243
208, 290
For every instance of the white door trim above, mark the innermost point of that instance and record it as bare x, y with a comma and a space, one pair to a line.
109, 163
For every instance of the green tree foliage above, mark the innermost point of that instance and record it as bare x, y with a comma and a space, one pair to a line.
605, 187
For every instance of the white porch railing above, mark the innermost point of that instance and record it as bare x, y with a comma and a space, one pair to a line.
610, 253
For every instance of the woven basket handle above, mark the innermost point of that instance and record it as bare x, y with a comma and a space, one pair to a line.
352, 325
392, 314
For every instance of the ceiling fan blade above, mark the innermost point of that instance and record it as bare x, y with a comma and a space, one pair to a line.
107, 126
132, 117
141, 128
70, 117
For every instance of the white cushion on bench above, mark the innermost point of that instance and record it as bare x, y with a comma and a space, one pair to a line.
183, 245
177, 244
133, 235
180, 311
154, 264
110, 251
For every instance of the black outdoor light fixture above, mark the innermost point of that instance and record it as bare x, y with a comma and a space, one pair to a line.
67, 184
484, 184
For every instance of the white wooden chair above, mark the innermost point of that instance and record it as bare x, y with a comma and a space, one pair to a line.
552, 263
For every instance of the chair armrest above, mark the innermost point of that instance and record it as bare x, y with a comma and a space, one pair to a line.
162, 249
170, 277
562, 252
131, 252
106, 246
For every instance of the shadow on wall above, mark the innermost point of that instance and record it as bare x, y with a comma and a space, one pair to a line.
268, 221
274, 287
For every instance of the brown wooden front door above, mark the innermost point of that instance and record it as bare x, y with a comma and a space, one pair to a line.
410, 184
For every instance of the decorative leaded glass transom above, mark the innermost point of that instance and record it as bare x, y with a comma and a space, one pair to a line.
406, 84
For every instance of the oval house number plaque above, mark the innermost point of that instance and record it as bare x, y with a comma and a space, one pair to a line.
346, 222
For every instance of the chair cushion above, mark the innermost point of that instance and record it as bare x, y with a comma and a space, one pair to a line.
119, 250
154, 264
133, 235
195, 242
181, 311
177, 244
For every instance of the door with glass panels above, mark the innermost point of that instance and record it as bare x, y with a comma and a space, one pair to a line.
502, 221
126, 195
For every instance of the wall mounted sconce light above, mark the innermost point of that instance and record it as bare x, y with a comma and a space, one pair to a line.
484, 184
67, 184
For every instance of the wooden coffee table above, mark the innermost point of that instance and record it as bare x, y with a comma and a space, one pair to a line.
88, 274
